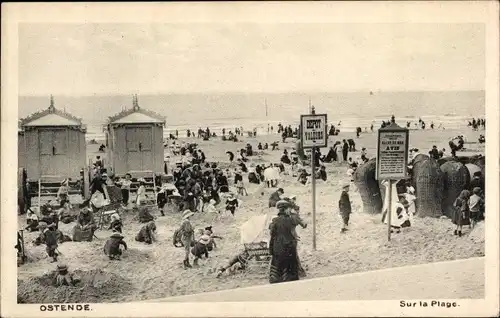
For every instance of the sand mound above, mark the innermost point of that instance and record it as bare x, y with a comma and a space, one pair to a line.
94, 286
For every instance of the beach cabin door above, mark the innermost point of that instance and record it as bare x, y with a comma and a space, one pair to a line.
139, 148
53, 145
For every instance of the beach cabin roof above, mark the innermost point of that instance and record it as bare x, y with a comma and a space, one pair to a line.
137, 115
50, 117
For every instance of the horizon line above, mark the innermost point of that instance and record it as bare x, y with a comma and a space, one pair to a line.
375, 91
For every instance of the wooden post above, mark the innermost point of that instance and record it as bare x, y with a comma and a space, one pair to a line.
312, 136
389, 211
86, 183
39, 194
313, 175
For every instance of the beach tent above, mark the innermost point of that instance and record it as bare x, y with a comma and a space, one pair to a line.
54, 144
135, 138
256, 229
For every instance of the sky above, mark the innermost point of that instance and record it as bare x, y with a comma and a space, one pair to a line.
87, 59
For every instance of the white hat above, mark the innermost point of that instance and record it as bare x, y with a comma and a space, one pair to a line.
204, 239
187, 214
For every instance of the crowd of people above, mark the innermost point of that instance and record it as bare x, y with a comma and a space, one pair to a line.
193, 185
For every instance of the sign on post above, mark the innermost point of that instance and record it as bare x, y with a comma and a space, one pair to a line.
392, 153
392, 160
313, 134
313, 131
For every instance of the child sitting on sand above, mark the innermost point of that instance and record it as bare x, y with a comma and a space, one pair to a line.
116, 223
31, 221
112, 247
65, 215
303, 177
48, 236
144, 215
147, 233
64, 278
208, 231
200, 248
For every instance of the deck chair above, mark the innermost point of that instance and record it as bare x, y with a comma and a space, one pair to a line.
259, 252
104, 210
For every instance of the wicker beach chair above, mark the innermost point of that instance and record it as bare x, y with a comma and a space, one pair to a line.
429, 189
368, 187
456, 178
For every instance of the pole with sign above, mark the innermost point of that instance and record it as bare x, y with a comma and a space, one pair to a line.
392, 160
312, 135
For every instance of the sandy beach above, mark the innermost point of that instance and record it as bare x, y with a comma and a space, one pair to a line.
155, 271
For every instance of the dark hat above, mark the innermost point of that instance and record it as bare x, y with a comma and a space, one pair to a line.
476, 190
281, 190
283, 204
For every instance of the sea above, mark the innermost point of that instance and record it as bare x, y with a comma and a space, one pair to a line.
451, 109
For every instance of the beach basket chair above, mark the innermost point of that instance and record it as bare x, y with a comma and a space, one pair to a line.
369, 188
456, 178
429, 189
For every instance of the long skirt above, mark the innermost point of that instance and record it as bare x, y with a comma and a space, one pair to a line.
284, 267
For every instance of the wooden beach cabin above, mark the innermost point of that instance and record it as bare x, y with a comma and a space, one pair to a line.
135, 141
54, 143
